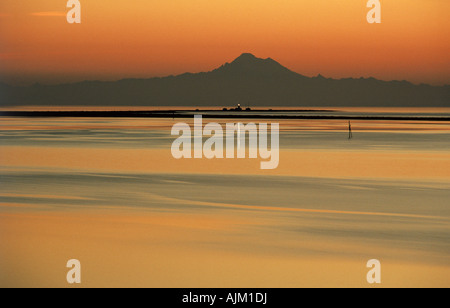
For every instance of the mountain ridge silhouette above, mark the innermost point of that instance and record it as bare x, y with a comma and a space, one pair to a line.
247, 80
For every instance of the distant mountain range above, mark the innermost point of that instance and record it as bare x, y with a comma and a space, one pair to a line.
247, 80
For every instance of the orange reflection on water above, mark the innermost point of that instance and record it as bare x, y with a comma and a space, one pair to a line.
335, 164
145, 249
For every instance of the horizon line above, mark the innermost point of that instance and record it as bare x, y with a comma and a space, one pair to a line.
319, 75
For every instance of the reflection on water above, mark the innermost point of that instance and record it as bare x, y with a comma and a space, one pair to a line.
106, 191
155, 133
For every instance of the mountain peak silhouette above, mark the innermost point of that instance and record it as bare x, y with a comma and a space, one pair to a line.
246, 57
263, 82
248, 64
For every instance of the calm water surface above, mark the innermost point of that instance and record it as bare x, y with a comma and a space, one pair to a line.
107, 192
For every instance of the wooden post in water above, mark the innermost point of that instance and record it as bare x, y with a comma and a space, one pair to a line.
350, 134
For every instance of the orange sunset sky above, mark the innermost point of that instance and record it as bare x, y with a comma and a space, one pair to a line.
146, 38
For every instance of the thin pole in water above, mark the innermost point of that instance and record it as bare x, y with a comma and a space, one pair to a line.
350, 134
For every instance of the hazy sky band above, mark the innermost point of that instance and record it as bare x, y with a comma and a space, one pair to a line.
119, 39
